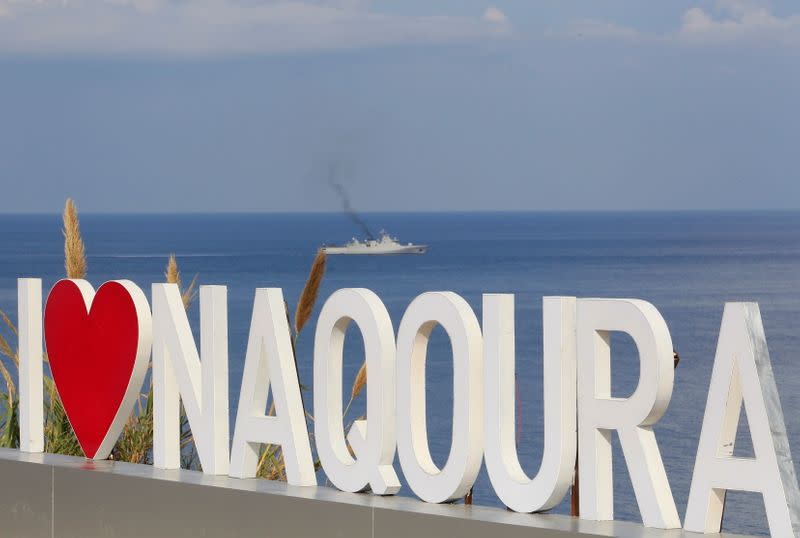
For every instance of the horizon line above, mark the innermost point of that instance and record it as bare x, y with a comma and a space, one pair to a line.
404, 212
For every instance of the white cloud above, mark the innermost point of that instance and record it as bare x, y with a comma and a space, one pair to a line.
739, 20
203, 27
731, 21
492, 14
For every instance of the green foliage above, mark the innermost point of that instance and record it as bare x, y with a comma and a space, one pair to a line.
58, 435
9, 401
59, 438
9, 422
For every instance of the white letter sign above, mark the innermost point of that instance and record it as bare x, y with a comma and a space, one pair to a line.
31, 381
373, 440
425, 479
599, 413
743, 373
97, 346
554, 478
269, 363
180, 374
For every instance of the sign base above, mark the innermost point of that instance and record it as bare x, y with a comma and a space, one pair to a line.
47, 495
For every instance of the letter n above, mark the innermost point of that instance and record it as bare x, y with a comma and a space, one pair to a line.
179, 374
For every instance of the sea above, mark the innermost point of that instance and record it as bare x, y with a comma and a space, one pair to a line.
687, 264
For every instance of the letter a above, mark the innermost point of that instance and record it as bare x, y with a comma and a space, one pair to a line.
270, 361
743, 374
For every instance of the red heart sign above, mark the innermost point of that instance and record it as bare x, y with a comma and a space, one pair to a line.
98, 345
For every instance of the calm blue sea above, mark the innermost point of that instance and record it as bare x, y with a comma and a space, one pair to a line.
686, 264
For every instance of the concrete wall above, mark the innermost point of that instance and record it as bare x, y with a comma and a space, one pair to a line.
43, 495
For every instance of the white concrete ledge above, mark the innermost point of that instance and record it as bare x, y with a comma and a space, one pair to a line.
46, 495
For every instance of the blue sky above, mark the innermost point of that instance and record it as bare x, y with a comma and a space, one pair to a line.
248, 105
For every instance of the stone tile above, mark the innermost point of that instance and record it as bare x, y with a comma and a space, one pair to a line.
397, 524
99, 504
25, 499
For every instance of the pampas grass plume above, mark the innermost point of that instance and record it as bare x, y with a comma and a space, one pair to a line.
305, 306
173, 276
360, 382
74, 249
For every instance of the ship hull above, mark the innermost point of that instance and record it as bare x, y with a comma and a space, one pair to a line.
377, 250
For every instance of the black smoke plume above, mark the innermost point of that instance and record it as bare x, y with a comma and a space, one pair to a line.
344, 198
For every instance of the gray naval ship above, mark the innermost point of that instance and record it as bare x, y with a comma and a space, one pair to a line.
385, 244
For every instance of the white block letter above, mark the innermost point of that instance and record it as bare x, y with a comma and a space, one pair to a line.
554, 478
743, 373
270, 362
373, 440
599, 414
179, 374
31, 388
426, 480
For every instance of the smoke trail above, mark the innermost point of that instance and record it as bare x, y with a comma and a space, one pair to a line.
344, 198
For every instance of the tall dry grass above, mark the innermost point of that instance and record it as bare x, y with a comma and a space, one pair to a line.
58, 435
74, 249
173, 276
136, 441
308, 298
270, 463
9, 420
360, 382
